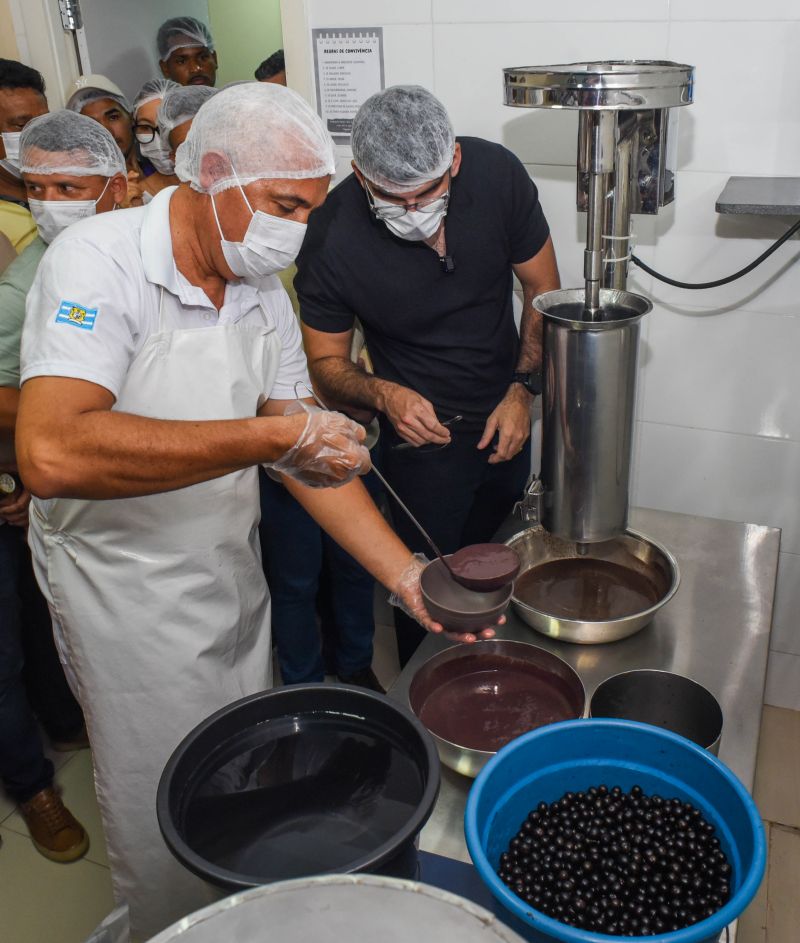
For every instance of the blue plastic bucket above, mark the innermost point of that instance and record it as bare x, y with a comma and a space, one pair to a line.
542, 765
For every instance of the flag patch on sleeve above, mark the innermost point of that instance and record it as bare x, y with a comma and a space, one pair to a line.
79, 316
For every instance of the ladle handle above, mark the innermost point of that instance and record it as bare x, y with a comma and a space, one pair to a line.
394, 494
411, 517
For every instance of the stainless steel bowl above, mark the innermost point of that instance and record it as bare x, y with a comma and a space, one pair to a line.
663, 699
632, 550
470, 694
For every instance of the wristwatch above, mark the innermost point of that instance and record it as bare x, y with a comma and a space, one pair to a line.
531, 381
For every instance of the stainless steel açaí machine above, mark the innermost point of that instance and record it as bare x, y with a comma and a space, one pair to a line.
586, 576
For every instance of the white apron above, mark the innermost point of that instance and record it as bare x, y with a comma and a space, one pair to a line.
160, 604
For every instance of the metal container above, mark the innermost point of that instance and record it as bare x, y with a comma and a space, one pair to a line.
663, 699
631, 550
340, 907
588, 405
591, 335
613, 84
494, 710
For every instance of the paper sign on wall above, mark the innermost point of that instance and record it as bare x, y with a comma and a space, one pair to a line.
348, 68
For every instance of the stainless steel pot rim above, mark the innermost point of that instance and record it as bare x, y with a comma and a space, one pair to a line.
639, 306
665, 68
488, 754
651, 671
676, 582
712, 704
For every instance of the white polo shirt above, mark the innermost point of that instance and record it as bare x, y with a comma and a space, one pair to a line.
95, 301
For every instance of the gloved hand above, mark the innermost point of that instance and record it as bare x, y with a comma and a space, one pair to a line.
328, 453
408, 598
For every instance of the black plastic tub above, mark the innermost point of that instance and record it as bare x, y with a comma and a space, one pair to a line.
297, 781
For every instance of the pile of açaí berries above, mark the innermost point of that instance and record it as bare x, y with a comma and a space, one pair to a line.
618, 863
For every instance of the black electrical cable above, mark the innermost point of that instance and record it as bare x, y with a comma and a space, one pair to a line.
720, 281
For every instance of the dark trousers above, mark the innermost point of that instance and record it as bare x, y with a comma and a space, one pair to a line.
31, 676
295, 551
457, 496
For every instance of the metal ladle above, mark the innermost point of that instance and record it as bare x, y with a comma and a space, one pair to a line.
466, 564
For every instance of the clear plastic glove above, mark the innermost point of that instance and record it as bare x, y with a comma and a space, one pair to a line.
408, 598
329, 452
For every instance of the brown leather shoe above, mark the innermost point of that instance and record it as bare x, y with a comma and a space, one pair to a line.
56, 833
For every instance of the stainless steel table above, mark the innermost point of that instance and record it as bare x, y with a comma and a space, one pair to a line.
715, 630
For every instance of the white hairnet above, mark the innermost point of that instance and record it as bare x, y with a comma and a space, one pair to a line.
402, 138
152, 91
69, 143
181, 104
182, 32
260, 131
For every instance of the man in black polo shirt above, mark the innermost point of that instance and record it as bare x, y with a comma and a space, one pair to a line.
420, 244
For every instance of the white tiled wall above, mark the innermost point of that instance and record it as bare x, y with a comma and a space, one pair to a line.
718, 430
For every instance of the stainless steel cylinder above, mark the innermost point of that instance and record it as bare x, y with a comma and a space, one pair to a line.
587, 411
663, 699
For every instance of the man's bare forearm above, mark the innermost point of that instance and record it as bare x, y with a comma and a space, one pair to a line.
345, 385
9, 402
104, 454
537, 275
531, 325
531, 328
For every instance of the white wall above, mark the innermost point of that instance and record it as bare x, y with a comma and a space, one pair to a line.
121, 36
718, 430
42, 43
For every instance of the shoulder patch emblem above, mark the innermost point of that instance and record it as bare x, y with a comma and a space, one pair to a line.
77, 315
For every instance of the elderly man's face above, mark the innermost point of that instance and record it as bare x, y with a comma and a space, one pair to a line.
114, 119
286, 199
191, 65
18, 106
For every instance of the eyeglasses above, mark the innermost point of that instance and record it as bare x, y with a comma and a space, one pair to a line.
383, 210
145, 133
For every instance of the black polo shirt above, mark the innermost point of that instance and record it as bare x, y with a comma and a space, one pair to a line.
449, 336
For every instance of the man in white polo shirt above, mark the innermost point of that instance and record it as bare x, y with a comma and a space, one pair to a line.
160, 360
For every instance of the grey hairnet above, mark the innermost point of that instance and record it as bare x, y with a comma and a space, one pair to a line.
182, 32
69, 143
254, 131
402, 138
181, 104
152, 91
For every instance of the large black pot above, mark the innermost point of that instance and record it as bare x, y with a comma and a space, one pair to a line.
307, 779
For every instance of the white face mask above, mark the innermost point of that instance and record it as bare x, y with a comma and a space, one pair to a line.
11, 161
53, 216
158, 156
270, 244
415, 226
